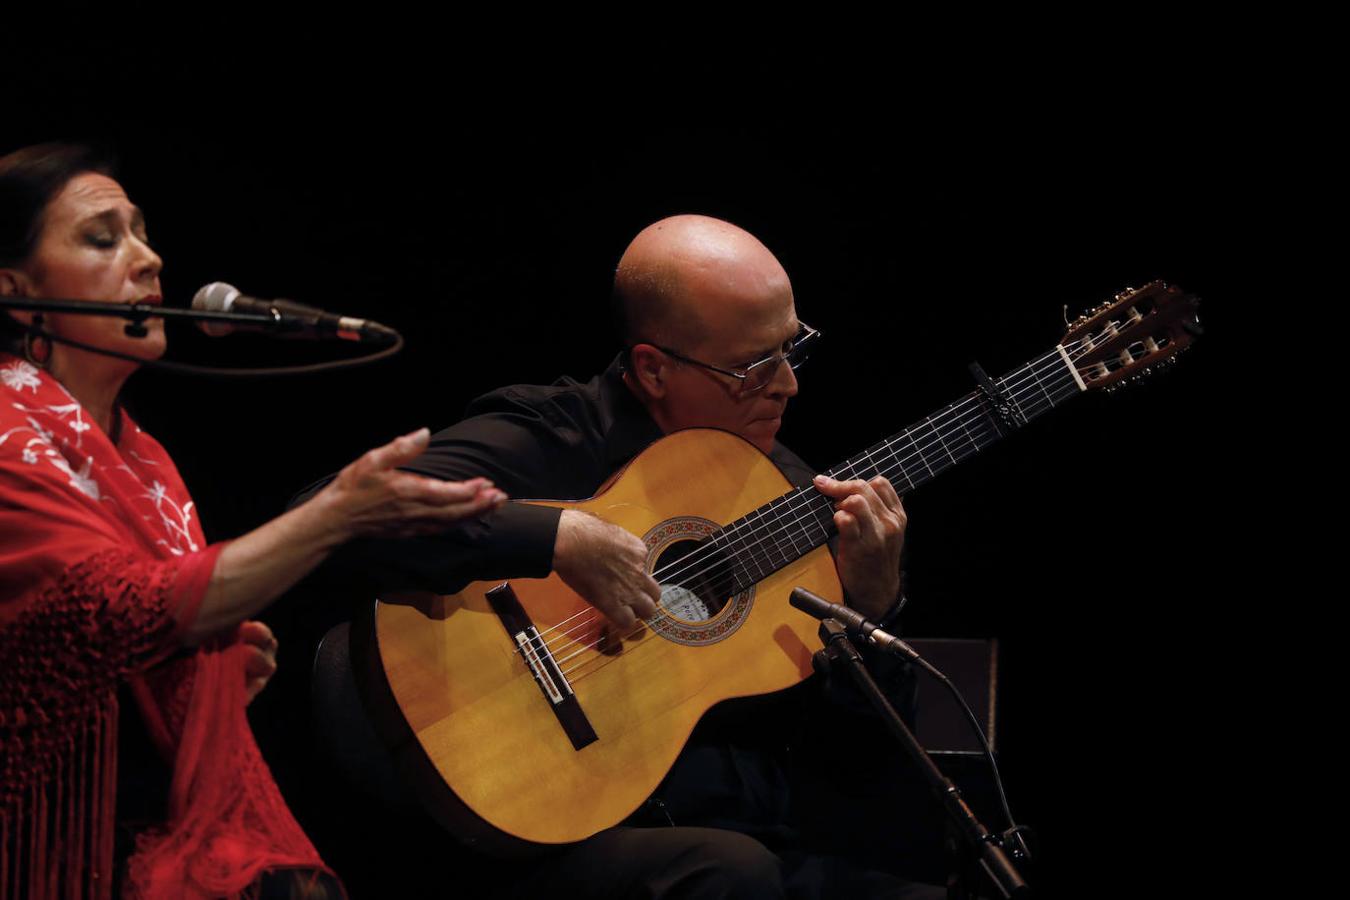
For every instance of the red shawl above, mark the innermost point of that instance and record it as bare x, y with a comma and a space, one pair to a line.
102, 565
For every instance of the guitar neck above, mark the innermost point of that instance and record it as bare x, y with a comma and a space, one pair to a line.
781, 531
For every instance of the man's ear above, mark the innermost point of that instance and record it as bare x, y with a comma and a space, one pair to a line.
649, 367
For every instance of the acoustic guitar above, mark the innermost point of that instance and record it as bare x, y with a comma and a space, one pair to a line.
529, 722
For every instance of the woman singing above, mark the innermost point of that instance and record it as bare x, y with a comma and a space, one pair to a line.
105, 576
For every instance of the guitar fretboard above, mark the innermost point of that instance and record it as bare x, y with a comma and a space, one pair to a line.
783, 530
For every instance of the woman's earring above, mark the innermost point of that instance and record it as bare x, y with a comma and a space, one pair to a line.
37, 347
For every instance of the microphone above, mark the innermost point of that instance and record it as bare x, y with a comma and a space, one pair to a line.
820, 608
289, 319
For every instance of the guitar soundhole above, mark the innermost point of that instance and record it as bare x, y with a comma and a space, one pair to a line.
695, 582
696, 588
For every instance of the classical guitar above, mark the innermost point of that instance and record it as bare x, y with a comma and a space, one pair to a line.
546, 727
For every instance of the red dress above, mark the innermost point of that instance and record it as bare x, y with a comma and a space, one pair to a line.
102, 566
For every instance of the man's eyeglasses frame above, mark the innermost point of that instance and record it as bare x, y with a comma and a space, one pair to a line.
797, 354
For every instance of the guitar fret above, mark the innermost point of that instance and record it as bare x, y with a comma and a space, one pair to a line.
745, 552
805, 525
970, 440
1037, 379
740, 573
1012, 397
940, 439
904, 472
784, 526
923, 459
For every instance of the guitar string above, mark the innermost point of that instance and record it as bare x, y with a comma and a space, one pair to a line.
1073, 349
661, 615
1060, 395
598, 659
790, 503
1033, 372
807, 504
731, 534
726, 589
723, 583
1017, 384
957, 414
808, 501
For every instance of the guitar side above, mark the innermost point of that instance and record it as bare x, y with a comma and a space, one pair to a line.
484, 725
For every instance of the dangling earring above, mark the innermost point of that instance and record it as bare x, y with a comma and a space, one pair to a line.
37, 347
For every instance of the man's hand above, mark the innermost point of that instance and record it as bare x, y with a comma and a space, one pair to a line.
871, 525
261, 659
607, 566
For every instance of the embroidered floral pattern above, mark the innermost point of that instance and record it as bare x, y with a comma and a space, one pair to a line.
19, 375
176, 519
62, 448
40, 439
72, 414
40, 446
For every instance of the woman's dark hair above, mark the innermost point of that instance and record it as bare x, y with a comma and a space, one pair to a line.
29, 180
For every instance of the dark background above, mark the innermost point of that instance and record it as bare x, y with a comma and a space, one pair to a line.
922, 230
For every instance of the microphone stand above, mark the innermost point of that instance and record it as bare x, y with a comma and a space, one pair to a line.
274, 322
137, 313
972, 841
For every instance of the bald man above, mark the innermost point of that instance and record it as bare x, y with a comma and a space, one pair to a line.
708, 316
708, 320
711, 339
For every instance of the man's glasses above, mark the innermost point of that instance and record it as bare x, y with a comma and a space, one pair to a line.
757, 375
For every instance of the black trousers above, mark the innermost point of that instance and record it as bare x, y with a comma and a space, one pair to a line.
700, 864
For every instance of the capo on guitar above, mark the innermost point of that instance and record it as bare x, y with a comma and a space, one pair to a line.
1007, 418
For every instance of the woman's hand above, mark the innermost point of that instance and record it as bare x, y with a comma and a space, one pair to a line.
371, 497
260, 661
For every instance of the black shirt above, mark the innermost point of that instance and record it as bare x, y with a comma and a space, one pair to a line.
543, 442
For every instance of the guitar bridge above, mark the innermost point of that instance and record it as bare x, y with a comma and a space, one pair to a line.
542, 664
553, 684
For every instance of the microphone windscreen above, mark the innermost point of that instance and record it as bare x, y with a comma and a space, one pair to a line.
215, 297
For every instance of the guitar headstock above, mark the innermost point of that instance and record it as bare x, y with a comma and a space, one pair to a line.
1129, 336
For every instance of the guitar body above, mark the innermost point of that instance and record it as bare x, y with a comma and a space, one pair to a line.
480, 717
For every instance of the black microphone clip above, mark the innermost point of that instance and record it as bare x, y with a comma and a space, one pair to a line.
853, 621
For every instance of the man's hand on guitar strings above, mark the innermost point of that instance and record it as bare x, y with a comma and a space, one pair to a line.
607, 566
871, 523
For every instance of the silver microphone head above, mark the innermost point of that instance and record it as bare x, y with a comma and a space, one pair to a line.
215, 297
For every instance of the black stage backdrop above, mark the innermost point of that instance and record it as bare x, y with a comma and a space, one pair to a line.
919, 237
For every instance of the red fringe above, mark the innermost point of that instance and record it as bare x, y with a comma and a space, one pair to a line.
56, 836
